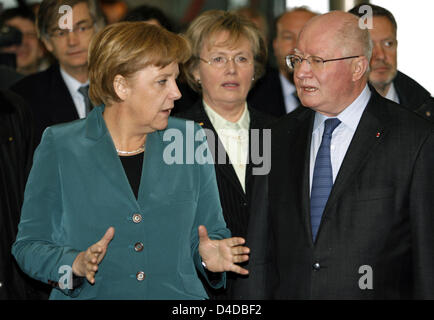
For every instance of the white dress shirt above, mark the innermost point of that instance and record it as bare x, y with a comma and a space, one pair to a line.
289, 90
73, 85
235, 139
392, 94
342, 135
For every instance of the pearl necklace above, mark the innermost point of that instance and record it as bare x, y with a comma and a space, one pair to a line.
141, 149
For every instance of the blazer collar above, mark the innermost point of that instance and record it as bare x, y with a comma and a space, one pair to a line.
105, 156
199, 115
95, 124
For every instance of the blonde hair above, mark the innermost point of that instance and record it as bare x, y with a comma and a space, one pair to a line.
126, 47
205, 27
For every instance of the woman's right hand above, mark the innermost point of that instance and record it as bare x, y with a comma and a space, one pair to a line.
86, 263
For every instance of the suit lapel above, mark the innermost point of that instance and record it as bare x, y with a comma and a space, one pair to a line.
281, 100
106, 159
218, 151
257, 122
254, 124
372, 129
294, 174
302, 147
153, 171
63, 107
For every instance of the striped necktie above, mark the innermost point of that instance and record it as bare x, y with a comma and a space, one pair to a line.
322, 181
84, 90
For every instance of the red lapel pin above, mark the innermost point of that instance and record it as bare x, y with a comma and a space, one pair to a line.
378, 134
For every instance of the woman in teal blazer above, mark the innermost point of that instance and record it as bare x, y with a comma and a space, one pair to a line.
103, 218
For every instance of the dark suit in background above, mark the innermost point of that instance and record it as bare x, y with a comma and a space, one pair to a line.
267, 94
379, 213
239, 212
8, 77
412, 95
16, 152
428, 109
188, 99
48, 97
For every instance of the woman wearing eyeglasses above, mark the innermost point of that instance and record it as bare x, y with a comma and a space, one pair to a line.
229, 55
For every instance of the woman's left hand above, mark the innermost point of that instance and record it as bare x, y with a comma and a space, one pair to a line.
221, 255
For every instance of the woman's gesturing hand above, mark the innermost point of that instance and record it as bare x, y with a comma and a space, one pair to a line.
86, 263
221, 255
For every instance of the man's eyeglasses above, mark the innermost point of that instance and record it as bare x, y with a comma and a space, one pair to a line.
294, 61
81, 28
221, 61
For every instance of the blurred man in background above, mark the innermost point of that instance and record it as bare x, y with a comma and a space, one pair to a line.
30, 52
59, 94
384, 75
275, 93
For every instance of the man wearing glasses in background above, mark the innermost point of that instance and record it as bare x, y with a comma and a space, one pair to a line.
384, 75
59, 94
351, 185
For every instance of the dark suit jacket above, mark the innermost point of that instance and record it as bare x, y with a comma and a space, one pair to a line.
48, 97
16, 153
8, 77
239, 211
412, 95
187, 100
427, 109
267, 95
379, 213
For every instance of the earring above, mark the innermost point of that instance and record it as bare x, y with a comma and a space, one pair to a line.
199, 82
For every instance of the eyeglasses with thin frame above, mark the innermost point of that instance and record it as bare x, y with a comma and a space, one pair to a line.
221, 61
294, 61
81, 28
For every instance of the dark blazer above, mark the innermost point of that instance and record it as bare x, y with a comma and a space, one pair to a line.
238, 210
8, 77
16, 152
48, 97
187, 100
412, 95
427, 109
267, 94
379, 213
